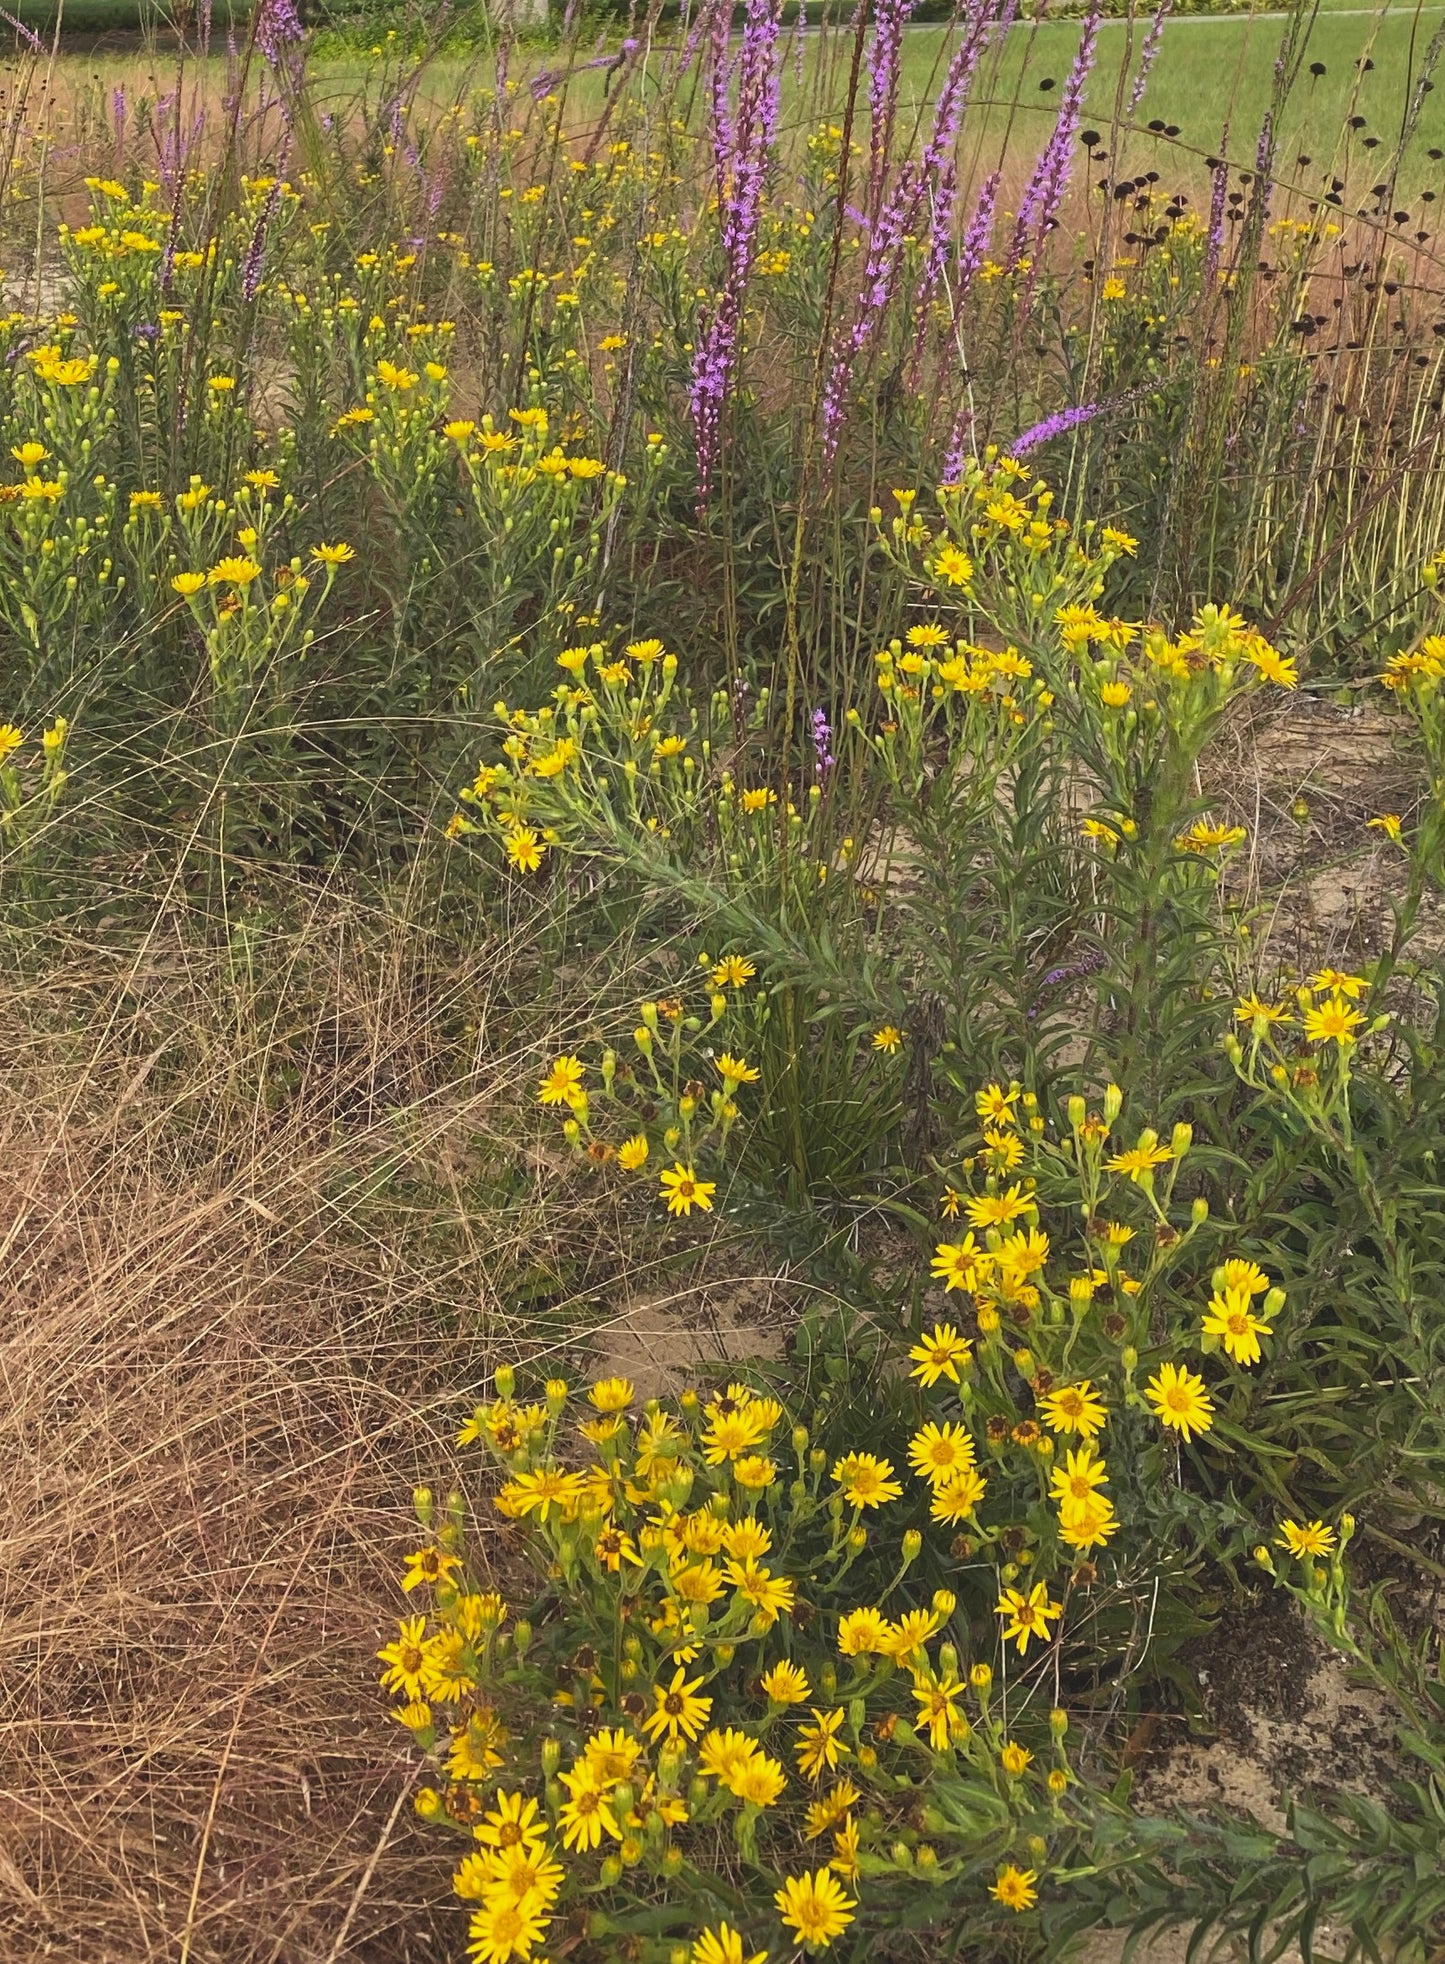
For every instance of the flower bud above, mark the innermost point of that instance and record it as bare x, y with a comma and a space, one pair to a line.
551, 1758
901, 1855
521, 1635
1129, 1357
1078, 1112
945, 1602
556, 1396
1180, 1140
1113, 1103
912, 1545
800, 1440
1199, 1211
610, 1874
428, 1803
1058, 1722
858, 1540
980, 1676
421, 1500
505, 1380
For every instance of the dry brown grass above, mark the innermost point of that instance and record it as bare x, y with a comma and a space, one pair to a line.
225, 1363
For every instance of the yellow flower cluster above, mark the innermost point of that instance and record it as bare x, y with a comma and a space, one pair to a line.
659, 1097
692, 1683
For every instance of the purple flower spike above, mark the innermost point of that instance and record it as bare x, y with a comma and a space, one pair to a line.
1146, 56
1059, 424
744, 124
1039, 207
823, 758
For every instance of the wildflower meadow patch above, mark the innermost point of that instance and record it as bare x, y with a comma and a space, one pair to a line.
645, 667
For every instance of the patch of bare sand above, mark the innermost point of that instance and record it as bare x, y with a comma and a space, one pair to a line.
661, 1341
1305, 778
1280, 1716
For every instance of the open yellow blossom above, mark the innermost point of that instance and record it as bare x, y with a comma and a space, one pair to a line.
429, 1565
682, 1190
735, 1070
1080, 1474
237, 570
961, 1264
995, 1106
889, 1039
819, 1746
862, 1632
1027, 1616
1014, 1888
956, 1498
1231, 1318
938, 1710
939, 1355
504, 1929
678, 1711
405, 1660
816, 1908
563, 1082
587, 1816
938, 1452
732, 972
524, 849
1074, 1408
1139, 1161
724, 1945
987, 1210
866, 1480
512, 1821
1306, 1539
1180, 1400
1332, 1021
786, 1684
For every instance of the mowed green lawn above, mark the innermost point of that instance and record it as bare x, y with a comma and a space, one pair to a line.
1212, 82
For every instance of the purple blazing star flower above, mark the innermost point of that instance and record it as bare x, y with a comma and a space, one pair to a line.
255, 259
823, 758
277, 29
742, 135
27, 34
884, 63
1039, 207
1214, 243
1146, 56
1059, 424
953, 454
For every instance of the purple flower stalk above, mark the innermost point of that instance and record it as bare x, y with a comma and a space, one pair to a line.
1039, 207
255, 260
117, 110
953, 455
1214, 243
27, 34
884, 63
277, 31
743, 139
1059, 424
1146, 56
823, 758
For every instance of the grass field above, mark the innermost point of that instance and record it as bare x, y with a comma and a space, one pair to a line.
1211, 84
